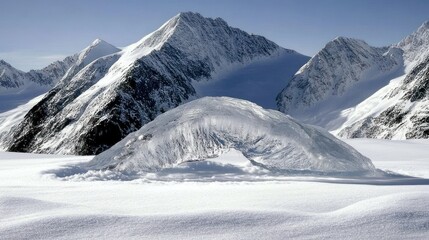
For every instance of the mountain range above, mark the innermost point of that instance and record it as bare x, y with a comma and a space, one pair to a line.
91, 100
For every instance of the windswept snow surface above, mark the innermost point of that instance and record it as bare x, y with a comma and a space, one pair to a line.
207, 127
37, 205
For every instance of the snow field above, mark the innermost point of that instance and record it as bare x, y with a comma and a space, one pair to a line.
36, 205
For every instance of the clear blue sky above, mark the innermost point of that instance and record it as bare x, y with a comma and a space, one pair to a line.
34, 33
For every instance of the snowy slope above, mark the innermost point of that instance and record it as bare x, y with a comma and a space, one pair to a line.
37, 205
207, 127
117, 94
12, 117
385, 97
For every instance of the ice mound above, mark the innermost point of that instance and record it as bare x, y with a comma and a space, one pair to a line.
210, 126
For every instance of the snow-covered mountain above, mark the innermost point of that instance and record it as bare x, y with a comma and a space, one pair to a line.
356, 90
117, 94
10, 77
416, 46
17, 87
207, 127
345, 72
97, 49
22, 91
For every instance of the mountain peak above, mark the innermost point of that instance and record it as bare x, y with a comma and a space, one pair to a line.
347, 40
10, 77
416, 45
422, 31
2, 62
6, 65
98, 48
98, 41
425, 25
194, 17
341, 38
189, 31
189, 14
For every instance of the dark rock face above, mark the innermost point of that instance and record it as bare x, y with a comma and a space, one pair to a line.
106, 101
416, 83
421, 126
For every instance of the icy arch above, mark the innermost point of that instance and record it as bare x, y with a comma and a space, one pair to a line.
206, 127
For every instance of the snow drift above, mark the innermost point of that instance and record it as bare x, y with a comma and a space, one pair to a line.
208, 127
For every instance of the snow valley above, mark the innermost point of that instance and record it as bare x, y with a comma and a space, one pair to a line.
185, 134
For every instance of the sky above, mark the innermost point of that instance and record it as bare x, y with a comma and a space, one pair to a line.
36, 33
